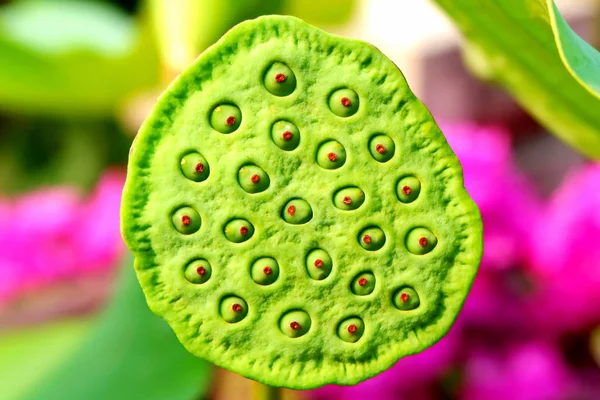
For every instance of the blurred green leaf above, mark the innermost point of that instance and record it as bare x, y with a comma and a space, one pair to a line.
130, 354
71, 58
527, 47
319, 12
27, 355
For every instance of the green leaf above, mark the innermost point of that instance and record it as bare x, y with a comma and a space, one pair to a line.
27, 355
71, 58
130, 354
527, 47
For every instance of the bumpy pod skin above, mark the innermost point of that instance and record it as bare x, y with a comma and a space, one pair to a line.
232, 72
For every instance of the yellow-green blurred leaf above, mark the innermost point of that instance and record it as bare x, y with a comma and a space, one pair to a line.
527, 47
71, 58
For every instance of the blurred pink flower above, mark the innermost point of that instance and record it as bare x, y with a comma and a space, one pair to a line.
528, 371
566, 256
506, 199
55, 233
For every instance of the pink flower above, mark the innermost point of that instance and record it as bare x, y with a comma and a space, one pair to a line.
55, 233
566, 253
528, 371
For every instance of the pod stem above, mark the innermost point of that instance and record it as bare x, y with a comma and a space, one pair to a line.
264, 392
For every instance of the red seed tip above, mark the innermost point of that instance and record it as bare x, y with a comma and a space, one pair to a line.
406, 190
346, 102
236, 307
186, 220
295, 325
244, 230
404, 297
230, 120
367, 239
255, 178
352, 328
362, 281
422, 241
347, 200
380, 148
287, 135
332, 156
280, 77
199, 167
318, 263
201, 271
267, 270
291, 210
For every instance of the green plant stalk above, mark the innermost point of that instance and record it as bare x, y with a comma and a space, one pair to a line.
264, 392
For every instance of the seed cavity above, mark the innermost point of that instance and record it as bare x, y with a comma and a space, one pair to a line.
408, 189
253, 179
194, 167
343, 102
420, 241
371, 238
331, 155
285, 135
349, 198
318, 264
363, 283
382, 148
264, 270
186, 220
279, 79
198, 271
226, 118
295, 323
238, 230
233, 309
351, 329
406, 298
297, 212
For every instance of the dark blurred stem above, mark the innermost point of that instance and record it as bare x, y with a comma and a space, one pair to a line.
264, 392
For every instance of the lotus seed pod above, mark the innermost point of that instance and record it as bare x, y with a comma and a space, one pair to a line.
283, 281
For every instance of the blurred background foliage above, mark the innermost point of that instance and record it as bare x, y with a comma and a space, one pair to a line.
77, 78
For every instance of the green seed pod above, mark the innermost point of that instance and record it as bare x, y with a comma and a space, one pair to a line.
420, 241
382, 148
318, 264
238, 230
233, 309
296, 211
349, 198
333, 158
363, 284
351, 329
280, 79
198, 271
408, 189
186, 220
195, 167
344, 102
295, 323
406, 299
331, 155
253, 179
265, 271
371, 238
285, 135
226, 118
